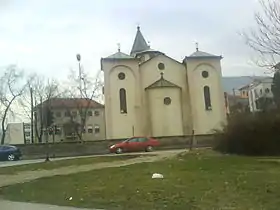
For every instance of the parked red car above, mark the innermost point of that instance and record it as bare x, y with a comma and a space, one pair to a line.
135, 144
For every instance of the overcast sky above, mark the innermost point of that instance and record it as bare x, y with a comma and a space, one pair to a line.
44, 36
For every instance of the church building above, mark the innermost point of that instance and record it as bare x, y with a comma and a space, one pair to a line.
148, 93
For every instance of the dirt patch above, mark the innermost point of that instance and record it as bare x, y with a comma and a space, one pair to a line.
27, 176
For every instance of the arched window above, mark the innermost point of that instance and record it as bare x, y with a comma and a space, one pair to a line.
123, 106
207, 98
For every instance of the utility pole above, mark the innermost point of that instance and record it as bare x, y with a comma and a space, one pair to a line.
32, 120
78, 56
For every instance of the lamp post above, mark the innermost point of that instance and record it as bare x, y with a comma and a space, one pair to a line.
32, 114
78, 56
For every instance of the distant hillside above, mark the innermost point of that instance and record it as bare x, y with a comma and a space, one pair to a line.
230, 83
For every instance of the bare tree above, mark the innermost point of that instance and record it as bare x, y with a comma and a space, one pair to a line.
40, 92
83, 93
12, 86
265, 37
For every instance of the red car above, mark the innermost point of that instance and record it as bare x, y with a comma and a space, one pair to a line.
135, 144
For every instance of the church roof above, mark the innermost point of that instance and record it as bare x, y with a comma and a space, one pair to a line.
119, 55
201, 54
162, 83
140, 43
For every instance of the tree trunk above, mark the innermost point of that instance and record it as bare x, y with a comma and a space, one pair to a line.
4, 120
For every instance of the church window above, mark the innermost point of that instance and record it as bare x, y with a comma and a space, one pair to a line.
121, 76
205, 74
161, 66
167, 100
207, 98
123, 106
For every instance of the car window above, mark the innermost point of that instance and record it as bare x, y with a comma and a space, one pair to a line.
133, 140
4, 148
143, 139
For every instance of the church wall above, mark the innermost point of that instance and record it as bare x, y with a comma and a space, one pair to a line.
166, 119
173, 72
206, 120
121, 125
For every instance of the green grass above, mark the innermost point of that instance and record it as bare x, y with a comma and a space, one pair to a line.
194, 181
62, 163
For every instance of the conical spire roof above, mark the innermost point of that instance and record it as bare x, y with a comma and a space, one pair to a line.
139, 44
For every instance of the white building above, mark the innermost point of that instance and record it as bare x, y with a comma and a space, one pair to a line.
18, 133
147, 93
257, 90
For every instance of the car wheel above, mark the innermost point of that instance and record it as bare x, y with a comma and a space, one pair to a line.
149, 149
119, 150
11, 157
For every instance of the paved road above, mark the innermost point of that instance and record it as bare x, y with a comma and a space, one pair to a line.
9, 205
24, 162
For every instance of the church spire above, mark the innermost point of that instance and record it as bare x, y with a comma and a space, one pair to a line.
140, 43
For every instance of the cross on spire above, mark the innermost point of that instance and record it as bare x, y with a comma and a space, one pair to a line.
119, 47
196, 46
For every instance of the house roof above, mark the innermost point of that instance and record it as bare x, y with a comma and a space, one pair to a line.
139, 44
72, 103
162, 83
245, 87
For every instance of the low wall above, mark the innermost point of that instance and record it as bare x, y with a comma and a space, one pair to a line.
64, 149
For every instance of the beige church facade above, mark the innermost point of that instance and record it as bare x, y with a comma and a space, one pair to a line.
148, 93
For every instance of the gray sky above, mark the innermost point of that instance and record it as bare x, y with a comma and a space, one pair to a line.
44, 35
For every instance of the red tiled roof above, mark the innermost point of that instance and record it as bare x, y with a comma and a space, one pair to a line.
72, 103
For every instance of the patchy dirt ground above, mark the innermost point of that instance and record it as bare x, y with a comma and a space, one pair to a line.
27, 176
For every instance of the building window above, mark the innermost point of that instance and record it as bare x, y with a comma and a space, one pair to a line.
121, 76
207, 98
267, 90
89, 113
27, 127
67, 114
161, 66
58, 114
89, 129
167, 100
27, 134
96, 113
123, 106
205, 74
260, 91
96, 129
74, 114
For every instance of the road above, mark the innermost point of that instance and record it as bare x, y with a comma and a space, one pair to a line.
25, 162
9, 205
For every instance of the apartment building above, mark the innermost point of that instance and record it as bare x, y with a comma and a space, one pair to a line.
72, 119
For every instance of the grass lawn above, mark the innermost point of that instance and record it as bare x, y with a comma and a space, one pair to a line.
62, 163
194, 181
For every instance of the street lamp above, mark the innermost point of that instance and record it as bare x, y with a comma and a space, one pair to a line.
78, 56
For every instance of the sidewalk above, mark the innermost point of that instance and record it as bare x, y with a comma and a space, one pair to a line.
9, 205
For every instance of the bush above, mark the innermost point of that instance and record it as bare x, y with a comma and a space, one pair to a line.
250, 134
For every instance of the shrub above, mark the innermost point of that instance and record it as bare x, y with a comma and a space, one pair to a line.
250, 134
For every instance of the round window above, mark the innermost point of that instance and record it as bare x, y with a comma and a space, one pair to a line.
167, 100
121, 76
205, 74
161, 66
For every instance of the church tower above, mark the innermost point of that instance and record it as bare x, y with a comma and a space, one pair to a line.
121, 91
206, 92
